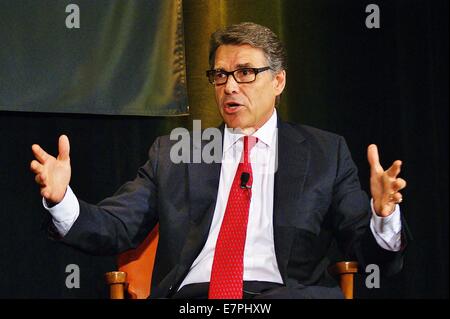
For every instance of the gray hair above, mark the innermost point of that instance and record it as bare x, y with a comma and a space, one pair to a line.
254, 35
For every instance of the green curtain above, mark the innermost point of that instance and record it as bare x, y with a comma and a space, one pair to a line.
126, 57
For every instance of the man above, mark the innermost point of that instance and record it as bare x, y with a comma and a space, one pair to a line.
242, 227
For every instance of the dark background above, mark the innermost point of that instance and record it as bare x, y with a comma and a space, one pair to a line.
387, 86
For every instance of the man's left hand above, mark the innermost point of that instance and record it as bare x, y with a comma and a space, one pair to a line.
385, 186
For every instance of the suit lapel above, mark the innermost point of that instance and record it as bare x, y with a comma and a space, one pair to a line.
203, 184
293, 156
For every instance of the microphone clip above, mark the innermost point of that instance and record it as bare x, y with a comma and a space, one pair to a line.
245, 177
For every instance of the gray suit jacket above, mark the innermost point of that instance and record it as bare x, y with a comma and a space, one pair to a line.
317, 201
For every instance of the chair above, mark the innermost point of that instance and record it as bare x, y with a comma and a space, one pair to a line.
344, 271
133, 279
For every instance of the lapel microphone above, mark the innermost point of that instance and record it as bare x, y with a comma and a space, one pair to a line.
244, 180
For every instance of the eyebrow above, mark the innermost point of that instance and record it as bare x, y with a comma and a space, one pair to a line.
238, 66
244, 65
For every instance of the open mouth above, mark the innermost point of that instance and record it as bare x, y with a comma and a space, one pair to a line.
232, 107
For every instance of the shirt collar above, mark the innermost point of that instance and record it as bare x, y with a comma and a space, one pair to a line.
264, 134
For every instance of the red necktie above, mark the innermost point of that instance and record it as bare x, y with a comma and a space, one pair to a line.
228, 264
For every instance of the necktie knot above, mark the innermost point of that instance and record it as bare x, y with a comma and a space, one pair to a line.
249, 142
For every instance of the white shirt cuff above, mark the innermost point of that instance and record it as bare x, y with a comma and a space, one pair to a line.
65, 213
387, 230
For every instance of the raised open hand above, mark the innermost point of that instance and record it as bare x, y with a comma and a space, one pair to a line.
52, 174
384, 184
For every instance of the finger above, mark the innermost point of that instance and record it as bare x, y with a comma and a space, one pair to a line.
45, 193
396, 198
399, 184
63, 147
40, 179
39, 153
374, 160
36, 167
394, 170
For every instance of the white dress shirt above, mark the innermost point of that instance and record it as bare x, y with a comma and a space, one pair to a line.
259, 254
260, 263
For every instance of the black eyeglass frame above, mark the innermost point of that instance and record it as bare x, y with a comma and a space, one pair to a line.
210, 74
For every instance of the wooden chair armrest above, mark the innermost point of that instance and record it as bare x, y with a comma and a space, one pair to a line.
345, 270
117, 281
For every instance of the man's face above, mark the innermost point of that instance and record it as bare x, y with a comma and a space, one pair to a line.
246, 105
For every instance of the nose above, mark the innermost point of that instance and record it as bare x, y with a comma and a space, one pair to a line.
231, 86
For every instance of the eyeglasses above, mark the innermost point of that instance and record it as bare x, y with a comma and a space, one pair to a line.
243, 75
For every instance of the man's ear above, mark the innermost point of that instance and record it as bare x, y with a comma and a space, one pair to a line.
279, 82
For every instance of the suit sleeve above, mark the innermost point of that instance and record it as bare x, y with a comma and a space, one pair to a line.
120, 222
351, 219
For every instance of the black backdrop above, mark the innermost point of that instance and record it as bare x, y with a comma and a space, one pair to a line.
389, 87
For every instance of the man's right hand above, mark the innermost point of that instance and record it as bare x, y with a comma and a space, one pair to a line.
52, 174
